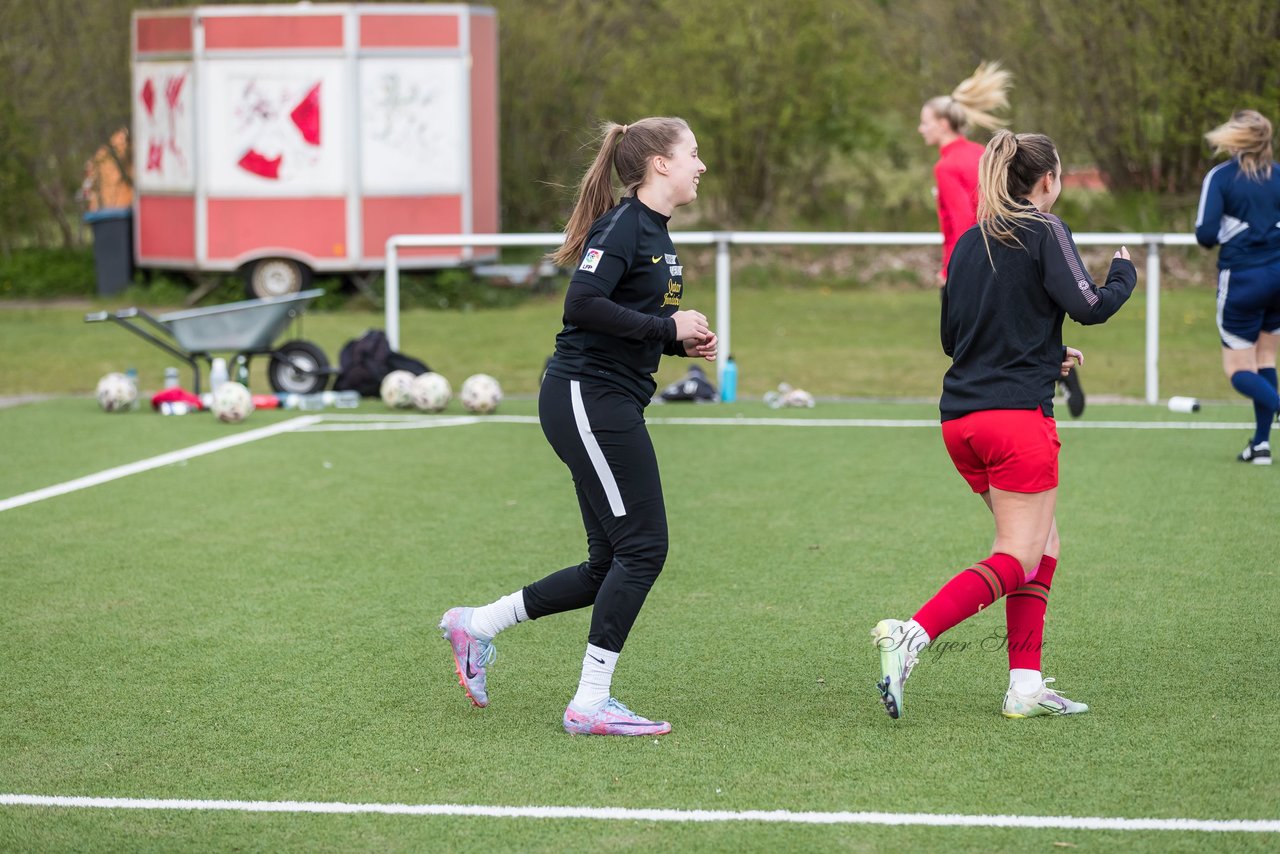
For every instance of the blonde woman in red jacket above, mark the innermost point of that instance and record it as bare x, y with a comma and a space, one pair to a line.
945, 121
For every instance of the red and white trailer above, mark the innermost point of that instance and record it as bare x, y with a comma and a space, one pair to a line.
286, 140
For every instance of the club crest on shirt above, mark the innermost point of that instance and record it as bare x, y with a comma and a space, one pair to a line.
591, 260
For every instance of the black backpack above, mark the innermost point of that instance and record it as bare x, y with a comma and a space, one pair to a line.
364, 361
693, 386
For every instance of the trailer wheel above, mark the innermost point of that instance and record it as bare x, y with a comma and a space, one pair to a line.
275, 277
298, 367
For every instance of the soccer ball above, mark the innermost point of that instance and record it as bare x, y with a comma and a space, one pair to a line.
397, 389
431, 392
232, 402
481, 394
116, 393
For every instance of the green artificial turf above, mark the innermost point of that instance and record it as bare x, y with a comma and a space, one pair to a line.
259, 624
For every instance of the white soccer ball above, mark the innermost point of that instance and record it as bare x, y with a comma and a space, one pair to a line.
397, 389
232, 402
115, 392
481, 394
431, 392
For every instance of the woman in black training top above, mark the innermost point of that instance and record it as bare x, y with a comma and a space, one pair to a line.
621, 315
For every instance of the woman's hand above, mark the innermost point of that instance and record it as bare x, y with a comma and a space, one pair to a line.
1122, 252
1073, 357
706, 348
690, 325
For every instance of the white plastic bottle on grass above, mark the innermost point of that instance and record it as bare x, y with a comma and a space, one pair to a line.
217, 373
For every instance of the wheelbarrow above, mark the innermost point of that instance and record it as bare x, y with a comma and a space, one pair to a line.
244, 328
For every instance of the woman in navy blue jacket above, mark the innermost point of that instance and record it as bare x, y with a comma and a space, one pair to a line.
1240, 212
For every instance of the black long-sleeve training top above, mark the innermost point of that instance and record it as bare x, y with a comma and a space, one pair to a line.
618, 309
1002, 315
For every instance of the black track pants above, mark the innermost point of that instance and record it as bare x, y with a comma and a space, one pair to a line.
599, 433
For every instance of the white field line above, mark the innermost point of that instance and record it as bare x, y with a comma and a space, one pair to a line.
1061, 822
156, 462
357, 423
360, 423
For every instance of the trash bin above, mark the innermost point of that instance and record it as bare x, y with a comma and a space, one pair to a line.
112, 248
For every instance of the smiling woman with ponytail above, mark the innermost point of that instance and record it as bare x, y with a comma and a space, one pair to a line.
622, 313
1013, 278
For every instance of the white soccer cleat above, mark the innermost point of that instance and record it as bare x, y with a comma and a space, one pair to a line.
890, 638
1042, 702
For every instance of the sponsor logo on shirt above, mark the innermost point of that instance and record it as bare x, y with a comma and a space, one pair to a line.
591, 260
674, 289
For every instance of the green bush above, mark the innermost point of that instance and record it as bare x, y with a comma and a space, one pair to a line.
36, 273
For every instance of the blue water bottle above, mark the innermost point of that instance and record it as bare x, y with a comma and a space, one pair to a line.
729, 382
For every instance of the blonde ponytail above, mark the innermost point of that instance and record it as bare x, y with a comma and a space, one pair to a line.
1246, 137
1008, 170
972, 103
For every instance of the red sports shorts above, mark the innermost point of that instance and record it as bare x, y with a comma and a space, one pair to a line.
1011, 449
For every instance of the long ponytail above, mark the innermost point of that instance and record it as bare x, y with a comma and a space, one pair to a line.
1007, 171
972, 103
628, 149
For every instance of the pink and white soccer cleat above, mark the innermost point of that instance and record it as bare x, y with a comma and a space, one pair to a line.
471, 653
612, 718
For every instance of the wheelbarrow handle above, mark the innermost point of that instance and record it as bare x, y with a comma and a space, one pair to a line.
96, 317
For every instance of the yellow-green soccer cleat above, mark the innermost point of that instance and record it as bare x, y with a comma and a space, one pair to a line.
1042, 702
890, 638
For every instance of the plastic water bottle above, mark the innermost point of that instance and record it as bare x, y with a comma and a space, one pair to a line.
217, 373
132, 375
348, 399
729, 383
171, 378
242, 371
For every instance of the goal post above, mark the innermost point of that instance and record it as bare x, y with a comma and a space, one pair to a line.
725, 240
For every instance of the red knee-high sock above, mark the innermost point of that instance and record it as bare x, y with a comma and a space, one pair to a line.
1024, 612
969, 592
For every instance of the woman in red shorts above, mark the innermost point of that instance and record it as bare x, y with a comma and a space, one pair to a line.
1013, 278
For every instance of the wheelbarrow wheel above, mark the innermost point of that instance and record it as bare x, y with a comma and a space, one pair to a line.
298, 367
276, 277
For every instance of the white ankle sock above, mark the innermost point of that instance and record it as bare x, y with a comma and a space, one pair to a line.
1025, 681
597, 676
915, 637
488, 620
